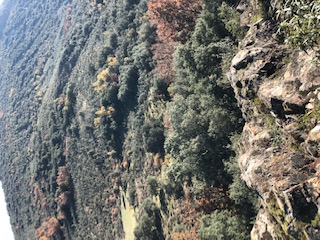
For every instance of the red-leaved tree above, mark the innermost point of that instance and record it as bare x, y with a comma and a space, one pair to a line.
175, 21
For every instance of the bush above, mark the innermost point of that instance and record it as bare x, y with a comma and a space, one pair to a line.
128, 80
300, 22
152, 185
113, 40
132, 196
149, 227
153, 136
87, 28
222, 225
231, 20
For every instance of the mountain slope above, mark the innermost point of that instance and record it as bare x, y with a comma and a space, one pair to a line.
122, 120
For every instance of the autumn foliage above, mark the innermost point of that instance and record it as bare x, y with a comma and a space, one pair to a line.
67, 19
162, 54
63, 179
188, 216
212, 199
48, 229
175, 21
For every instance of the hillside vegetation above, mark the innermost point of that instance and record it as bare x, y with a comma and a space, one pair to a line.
117, 114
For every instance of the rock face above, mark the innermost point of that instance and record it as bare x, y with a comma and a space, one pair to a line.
277, 89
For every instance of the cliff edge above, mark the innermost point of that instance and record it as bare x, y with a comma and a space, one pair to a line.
278, 91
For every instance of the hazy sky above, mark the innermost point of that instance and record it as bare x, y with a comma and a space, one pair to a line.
5, 227
1, 1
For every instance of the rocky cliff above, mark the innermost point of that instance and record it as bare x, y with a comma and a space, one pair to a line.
277, 88
124, 120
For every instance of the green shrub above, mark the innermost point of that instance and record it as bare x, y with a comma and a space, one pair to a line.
152, 185
132, 196
149, 227
231, 20
128, 80
222, 225
300, 22
153, 136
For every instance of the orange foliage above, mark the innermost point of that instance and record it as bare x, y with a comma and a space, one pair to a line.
175, 19
162, 54
125, 164
188, 216
61, 215
112, 61
67, 19
186, 235
167, 123
102, 111
111, 200
63, 199
157, 161
110, 111
117, 167
212, 199
48, 229
97, 121
38, 196
43, 238
63, 177
114, 212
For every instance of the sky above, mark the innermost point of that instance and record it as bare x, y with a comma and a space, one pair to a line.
5, 227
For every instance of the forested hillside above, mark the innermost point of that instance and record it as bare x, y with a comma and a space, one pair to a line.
140, 119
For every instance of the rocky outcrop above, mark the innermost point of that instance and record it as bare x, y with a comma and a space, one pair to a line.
277, 89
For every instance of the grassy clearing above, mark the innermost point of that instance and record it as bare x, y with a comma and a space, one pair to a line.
128, 216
